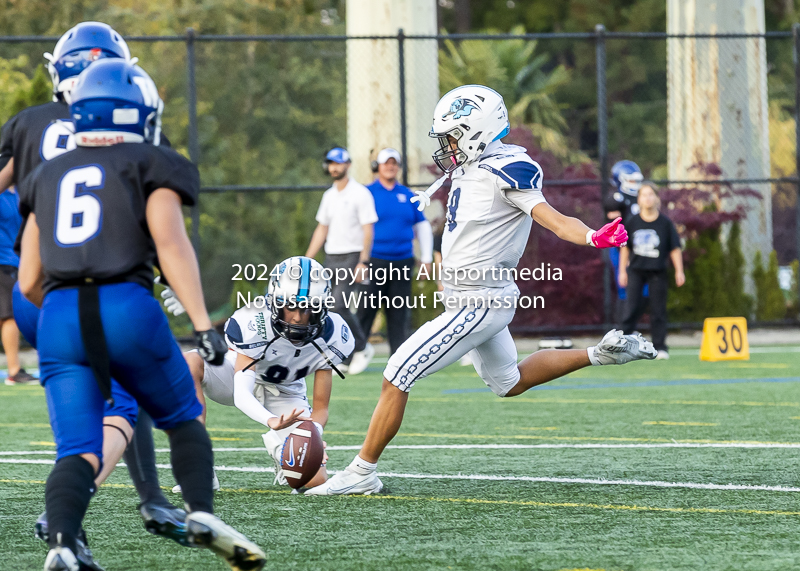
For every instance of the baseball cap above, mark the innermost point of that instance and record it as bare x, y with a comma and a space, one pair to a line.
337, 155
388, 153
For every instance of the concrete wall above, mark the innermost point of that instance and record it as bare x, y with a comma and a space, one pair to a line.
717, 103
373, 90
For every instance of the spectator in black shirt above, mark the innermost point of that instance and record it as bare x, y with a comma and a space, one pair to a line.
653, 239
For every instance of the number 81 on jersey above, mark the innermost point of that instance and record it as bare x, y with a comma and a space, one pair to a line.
725, 339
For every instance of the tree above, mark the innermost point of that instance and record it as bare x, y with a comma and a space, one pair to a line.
527, 81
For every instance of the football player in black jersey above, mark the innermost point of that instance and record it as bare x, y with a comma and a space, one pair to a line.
98, 216
41, 133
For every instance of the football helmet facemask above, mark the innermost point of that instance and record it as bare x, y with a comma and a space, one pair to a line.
474, 116
298, 283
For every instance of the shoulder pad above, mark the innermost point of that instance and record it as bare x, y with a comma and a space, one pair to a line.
517, 172
233, 331
339, 339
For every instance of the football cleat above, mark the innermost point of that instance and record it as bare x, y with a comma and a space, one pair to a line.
40, 529
206, 530
61, 559
214, 485
618, 349
21, 378
361, 360
166, 521
346, 483
274, 446
662, 356
84, 556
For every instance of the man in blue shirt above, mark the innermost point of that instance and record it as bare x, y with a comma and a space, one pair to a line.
399, 222
10, 221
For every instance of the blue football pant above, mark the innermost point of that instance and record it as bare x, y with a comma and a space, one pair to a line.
145, 360
27, 317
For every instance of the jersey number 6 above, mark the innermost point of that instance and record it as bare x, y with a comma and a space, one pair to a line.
78, 211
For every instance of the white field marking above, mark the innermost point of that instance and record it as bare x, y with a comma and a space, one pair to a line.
732, 445
491, 478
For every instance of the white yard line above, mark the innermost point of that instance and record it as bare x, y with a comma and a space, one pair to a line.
260, 450
492, 478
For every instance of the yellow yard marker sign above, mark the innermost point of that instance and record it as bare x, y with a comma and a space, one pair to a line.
724, 339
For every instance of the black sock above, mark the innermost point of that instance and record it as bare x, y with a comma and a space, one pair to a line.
140, 456
69, 489
193, 464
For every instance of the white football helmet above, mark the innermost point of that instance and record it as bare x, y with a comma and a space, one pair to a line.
474, 116
299, 283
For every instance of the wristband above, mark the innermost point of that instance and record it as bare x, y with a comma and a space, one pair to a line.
589, 238
319, 426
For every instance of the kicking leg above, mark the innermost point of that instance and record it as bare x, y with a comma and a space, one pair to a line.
614, 349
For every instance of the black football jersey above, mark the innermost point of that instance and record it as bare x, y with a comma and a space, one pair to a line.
625, 203
90, 208
35, 135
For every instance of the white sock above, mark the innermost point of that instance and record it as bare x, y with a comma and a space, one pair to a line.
361, 466
592, 359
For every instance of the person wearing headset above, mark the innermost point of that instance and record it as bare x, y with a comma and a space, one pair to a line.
345, 219
399, 222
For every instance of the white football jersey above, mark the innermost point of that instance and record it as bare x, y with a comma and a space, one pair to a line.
489, 217
286, 366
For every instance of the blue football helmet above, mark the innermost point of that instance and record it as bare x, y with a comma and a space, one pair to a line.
78, 48
114, 101
626, 176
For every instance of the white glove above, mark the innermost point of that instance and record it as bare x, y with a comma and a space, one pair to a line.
423, 199
171, 301
424, 196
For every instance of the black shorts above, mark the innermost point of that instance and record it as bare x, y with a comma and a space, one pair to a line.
8, 277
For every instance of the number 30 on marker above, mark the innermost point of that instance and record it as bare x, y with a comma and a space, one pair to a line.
724, 338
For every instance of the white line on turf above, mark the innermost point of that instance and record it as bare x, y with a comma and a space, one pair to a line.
731, 445
491, 478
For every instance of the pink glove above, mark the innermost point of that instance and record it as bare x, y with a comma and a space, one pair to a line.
612, 235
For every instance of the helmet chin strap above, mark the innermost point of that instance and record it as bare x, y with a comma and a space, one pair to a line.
263, 353
327, 359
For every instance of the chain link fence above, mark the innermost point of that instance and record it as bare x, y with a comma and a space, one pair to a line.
258, 113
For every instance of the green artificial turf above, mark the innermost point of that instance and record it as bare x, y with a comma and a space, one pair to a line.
468, 523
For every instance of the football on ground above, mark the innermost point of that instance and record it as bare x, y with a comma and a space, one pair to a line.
302, 454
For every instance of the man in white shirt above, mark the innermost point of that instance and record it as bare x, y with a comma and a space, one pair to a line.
345, 226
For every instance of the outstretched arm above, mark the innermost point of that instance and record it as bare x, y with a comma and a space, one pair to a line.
573, 230
243, 384
176, 255
565, 227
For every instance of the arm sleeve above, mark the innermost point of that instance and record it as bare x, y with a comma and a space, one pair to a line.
243, 384
323, 216
7, 142
424, 234
168, 169
366, 209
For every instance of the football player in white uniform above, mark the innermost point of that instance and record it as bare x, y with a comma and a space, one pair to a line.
274, 349
495, 196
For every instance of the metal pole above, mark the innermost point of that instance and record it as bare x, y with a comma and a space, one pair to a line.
401, 54
796, 56
194, 143
602, 152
